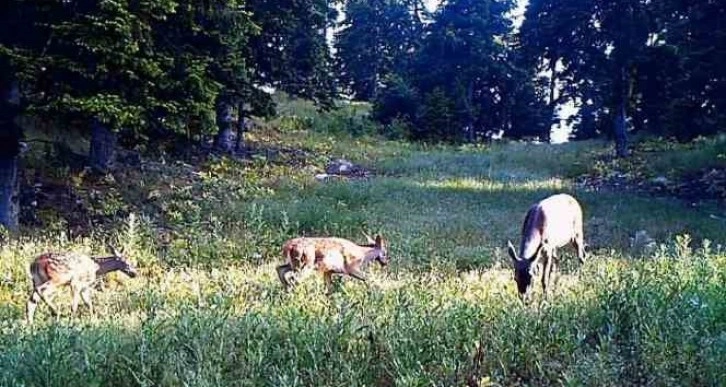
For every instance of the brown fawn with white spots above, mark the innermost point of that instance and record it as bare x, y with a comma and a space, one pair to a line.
550, 224
50, 271
329, 256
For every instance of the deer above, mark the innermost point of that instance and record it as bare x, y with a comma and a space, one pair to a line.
51, 271
329, 256
552, 223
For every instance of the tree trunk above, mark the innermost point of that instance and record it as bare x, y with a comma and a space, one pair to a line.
241, 128
619, 127
103, 147
418, 7
8, 188
10, 135
552, 102
470, 136
621, 136
224, 141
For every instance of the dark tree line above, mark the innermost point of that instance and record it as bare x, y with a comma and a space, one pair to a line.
454, 75
626, 65
135, 71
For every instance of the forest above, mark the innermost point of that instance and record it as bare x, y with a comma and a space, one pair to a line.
197, 137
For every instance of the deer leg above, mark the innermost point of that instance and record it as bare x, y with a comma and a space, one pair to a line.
546, 273
43, 291
282, 272
357, 274
545, 259
328, 277
580, 245
303, 274
76, 299
553, 270
86, 297
31, 306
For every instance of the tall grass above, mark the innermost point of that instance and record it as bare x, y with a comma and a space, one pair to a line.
658, 320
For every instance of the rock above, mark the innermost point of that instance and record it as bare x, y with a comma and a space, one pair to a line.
340, 167
129, 158
642, 242
662, 180
343, 167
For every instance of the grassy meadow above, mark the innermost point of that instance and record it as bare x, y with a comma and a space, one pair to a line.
208, 309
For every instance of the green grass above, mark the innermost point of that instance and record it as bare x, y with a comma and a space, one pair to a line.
209, 310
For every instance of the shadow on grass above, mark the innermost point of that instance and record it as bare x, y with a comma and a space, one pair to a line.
507, 161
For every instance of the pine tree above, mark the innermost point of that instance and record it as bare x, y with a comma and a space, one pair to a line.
461, 72
378, 38
292, 54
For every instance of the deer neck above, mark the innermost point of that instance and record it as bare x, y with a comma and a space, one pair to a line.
366, 253
530, 244
107, 265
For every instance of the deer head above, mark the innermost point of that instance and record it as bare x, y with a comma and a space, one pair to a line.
380, 248
381, 245
122, 263
524, 270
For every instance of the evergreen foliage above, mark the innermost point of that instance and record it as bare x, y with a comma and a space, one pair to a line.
378, 38
631, 63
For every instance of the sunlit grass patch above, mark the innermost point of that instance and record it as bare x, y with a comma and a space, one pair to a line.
495, 185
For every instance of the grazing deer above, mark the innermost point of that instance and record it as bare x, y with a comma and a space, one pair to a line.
329, 256
51, 271
550, 224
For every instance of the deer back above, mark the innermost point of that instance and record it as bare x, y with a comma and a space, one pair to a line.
62, 268
327, 253
299, 252
554, 221
562, 219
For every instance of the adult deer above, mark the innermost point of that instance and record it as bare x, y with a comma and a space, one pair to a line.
329, 256
550, 224
51, 271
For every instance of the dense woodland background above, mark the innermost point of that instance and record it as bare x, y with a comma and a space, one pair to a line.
141, 73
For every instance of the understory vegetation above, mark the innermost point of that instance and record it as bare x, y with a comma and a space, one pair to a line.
208, 309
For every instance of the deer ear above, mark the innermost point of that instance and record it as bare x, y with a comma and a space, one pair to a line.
378, 241
512, 252
534, 258
368, 237
113, 250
